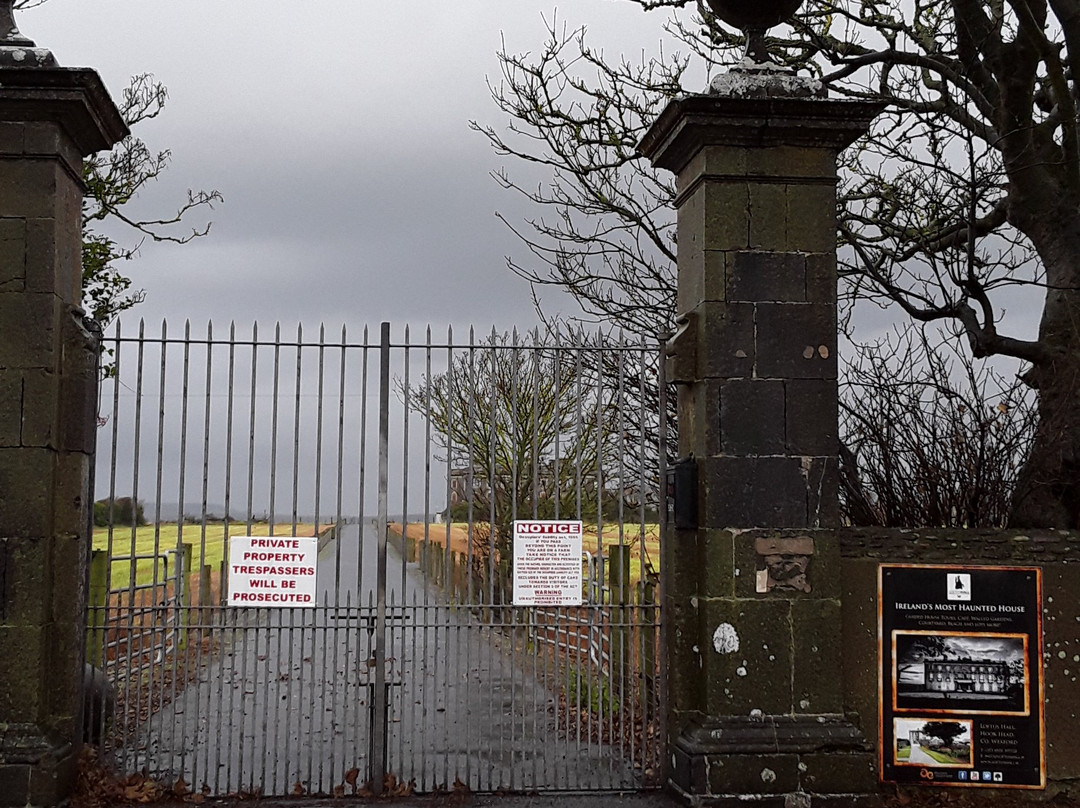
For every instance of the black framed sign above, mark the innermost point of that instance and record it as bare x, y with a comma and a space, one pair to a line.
960, 677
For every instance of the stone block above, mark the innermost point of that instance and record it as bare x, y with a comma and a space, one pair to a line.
14, 785
40, 409
699, 409
71, 498
752, 417
838, 773
29, 188
28, 323
718, 161
682, 555
12, 255
52, 781
811, 218
47, 139
22, 667
42, 259
754, 492
1061, 628
11, 411
61, 689
726, 207
726, 340
822, 486
26, 498
719, 566
28, 574
11, 138
767, 276
858, 631
796, 341
821, 278
755, 675
768, 216
815, 628
791, 162
753, 774
685, 683
811, 415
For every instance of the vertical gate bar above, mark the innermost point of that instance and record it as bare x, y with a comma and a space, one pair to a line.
449, 571
296, 427
361, 534
125, 601
193, 607
425, 569
229, 426
251, 426
470, 490
271, 523
135, 629
365, 355
109, 611
378, 771
336, 770
238, 777
174, 615
661, 664
493, 429
406, 351
318, 624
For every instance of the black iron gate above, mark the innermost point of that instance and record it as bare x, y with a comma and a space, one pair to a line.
412, 670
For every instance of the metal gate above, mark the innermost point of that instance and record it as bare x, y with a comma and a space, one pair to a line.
410, 461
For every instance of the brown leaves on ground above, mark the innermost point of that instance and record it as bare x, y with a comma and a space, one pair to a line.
98, 787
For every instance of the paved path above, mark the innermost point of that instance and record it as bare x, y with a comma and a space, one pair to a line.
288, 701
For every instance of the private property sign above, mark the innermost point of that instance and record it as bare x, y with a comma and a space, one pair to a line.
272, 571
547, 563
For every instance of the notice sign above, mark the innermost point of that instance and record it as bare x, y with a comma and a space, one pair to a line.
547, 563
272, 570
961, 676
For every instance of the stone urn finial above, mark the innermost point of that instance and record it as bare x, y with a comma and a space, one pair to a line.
15, 49
754, 18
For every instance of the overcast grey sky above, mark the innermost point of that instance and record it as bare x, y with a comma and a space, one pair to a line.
337, 131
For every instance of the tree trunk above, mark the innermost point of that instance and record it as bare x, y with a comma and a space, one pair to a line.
1048, 486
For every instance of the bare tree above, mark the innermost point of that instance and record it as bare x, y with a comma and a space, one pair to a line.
967, 186
928, 439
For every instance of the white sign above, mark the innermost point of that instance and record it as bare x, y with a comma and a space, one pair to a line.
959, 586
272, 571
547, 563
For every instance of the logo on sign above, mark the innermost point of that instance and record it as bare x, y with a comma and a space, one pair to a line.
959, 586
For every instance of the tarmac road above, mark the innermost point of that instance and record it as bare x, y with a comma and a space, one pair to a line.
288, 701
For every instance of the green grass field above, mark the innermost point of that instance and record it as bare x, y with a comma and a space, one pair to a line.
159, 539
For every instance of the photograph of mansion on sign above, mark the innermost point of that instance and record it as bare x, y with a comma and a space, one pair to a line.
961, 672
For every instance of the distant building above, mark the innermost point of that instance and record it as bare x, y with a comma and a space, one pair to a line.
966, 676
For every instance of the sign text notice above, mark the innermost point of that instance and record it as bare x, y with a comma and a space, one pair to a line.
272, 571
547, 563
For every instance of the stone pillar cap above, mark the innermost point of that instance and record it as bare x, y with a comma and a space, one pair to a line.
692, 122
15, 49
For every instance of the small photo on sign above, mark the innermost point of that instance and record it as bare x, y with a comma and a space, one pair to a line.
932, 742
966, 673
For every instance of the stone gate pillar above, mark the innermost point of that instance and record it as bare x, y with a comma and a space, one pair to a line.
50, 117
752, 593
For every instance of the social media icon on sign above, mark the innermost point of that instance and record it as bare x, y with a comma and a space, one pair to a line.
998, 777
961, 775
987, 776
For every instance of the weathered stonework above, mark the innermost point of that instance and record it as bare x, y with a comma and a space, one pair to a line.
50, 118
752, 596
